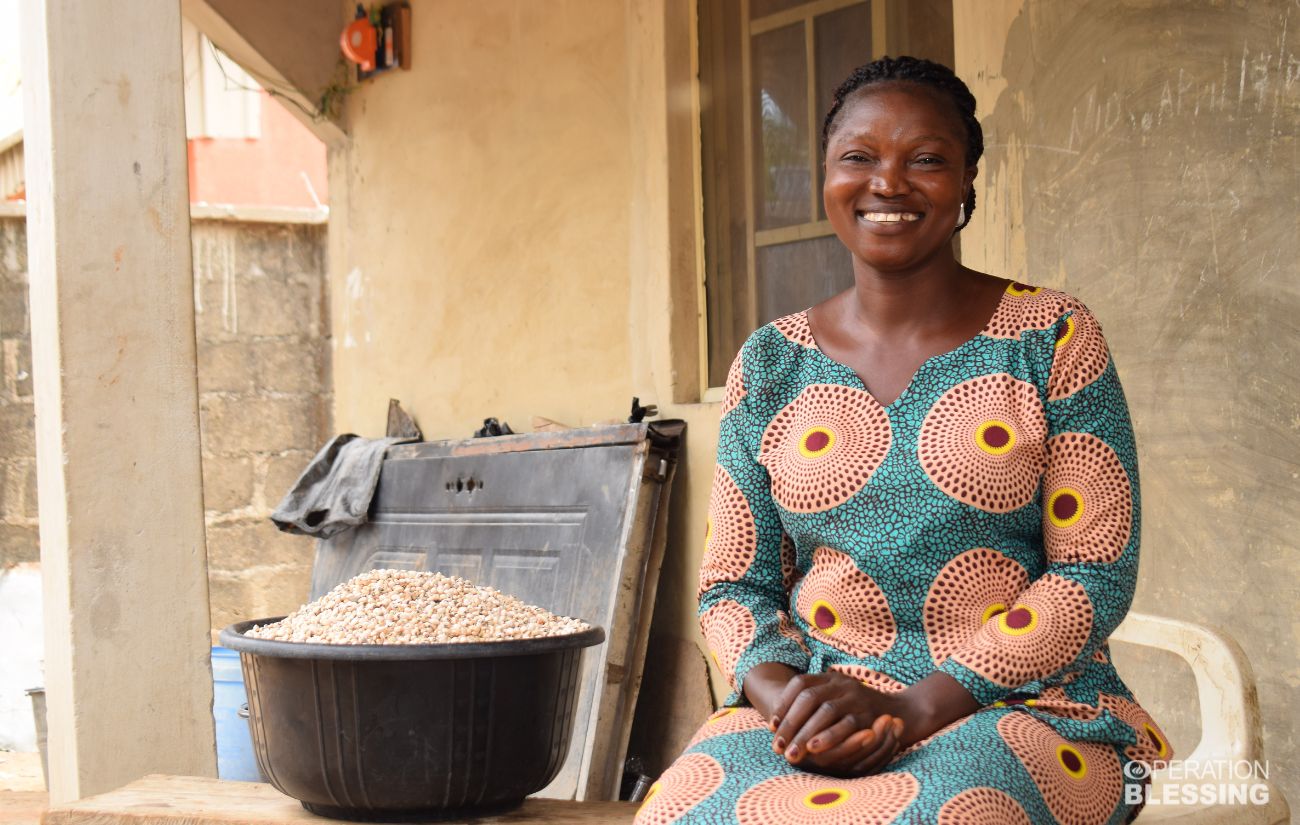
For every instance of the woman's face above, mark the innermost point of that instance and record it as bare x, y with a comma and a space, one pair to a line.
896, 176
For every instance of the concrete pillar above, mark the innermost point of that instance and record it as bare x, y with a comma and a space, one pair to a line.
117, 427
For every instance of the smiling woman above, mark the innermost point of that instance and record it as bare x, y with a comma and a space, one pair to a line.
925, 521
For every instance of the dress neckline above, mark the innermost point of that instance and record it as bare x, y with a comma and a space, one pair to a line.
849, 371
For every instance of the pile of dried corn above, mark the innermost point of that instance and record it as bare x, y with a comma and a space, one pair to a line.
409, 607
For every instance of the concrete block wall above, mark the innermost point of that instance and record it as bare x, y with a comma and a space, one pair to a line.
19, 542
265, 403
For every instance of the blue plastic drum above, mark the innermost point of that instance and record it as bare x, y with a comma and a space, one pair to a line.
235, 758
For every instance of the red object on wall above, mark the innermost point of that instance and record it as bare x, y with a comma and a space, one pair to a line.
359, 42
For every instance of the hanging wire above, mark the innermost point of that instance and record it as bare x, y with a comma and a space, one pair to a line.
271, 87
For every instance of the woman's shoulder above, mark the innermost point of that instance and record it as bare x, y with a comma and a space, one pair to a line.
1028, 307
778, 341
770, 359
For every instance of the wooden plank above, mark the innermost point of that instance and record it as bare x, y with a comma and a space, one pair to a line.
790, 234
522, 442
187, 800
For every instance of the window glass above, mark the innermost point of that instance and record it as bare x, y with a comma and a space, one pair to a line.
794, 276
843, 42
783, 177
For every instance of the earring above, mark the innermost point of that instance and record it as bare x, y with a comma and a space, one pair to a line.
961, 214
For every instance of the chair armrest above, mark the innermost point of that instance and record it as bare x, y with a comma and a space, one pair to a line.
1225, 683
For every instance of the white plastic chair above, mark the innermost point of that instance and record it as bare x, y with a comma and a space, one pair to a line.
1230, 725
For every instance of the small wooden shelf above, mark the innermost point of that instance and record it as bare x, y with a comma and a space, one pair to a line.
188, 800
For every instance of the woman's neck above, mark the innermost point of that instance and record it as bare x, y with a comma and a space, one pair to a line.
898, 301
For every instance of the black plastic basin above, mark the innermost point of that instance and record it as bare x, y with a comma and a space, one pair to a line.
404, 732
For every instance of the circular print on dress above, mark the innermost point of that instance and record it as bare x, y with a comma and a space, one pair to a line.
1152, 747
801, 798
1026, 307
972, 588
824, 446
730, 537
873, 679
1040, 634
728, 720
982, 442
795, 328
1087, 500
1080, 781
1081, 355
688, 782
786, 627
729, 628
844, 607
982, 806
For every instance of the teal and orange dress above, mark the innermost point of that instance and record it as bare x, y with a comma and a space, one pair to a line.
985, 524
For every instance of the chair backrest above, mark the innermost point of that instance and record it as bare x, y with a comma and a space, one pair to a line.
1225, 683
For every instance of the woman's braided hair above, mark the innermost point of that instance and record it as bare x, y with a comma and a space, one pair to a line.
927, 73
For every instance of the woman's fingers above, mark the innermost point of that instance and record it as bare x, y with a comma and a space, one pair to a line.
809, 695
852, 750
832, 736
792, 690
884, 751
819, 722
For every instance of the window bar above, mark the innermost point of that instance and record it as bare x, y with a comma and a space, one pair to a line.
697, 205
806, 11
747, 124
814, 143
879, 29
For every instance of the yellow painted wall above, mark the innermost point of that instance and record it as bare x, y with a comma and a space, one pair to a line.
512, 234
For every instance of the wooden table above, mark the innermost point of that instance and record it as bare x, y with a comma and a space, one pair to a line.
188, 800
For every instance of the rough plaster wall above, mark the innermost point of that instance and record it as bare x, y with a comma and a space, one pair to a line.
521, 242
1143, 155
480, 225
264, 385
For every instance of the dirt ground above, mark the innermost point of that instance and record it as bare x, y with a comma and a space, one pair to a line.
22, 789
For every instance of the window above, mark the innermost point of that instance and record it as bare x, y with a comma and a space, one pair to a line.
767, 73
221, 99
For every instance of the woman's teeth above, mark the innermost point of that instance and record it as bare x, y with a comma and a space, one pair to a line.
890, 217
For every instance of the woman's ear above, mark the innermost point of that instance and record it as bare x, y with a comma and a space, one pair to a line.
969, 177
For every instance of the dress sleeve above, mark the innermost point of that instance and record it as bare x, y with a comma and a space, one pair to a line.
747, 562
1090, 526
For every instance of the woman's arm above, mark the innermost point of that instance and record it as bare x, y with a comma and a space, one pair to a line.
743, 596
1090, 530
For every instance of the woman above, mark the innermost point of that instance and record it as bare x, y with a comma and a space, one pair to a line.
924, 521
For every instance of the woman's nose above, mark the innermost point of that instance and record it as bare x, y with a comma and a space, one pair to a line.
887, 179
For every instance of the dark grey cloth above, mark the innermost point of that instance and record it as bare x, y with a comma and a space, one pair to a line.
334, 492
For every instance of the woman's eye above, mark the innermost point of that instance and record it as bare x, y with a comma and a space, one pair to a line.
929, 160
857, 157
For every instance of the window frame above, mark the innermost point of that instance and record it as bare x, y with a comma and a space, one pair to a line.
816, 226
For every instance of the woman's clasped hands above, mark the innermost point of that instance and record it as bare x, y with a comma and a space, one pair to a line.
832, 723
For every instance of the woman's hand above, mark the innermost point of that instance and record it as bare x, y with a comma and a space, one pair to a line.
816, 715
832, 723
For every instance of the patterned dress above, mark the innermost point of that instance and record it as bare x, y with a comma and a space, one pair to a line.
985, 524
